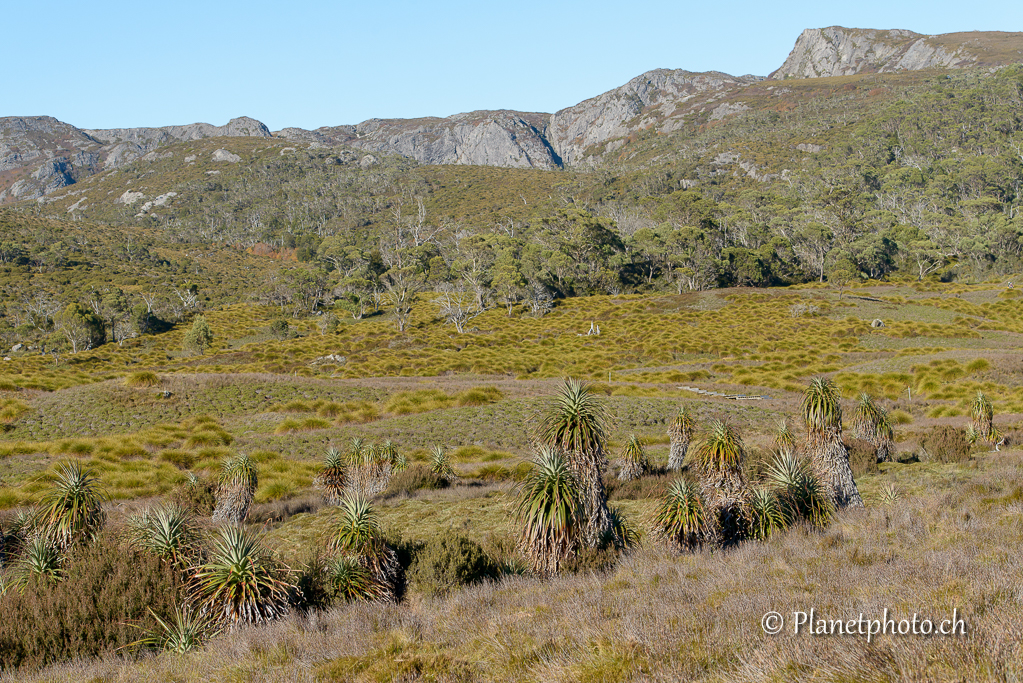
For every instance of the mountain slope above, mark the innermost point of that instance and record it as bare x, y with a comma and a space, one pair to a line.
39, 155
69, 154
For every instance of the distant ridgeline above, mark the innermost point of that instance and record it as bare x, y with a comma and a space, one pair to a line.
867, 154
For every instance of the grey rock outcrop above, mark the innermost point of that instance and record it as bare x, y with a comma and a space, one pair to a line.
838, 51
224, 155
652, 96
39, 154
492, 138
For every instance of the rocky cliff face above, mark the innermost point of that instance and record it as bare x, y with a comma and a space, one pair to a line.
489, 138
838, 51
646, 100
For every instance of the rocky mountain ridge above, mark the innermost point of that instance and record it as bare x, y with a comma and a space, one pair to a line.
838, 51
39, 155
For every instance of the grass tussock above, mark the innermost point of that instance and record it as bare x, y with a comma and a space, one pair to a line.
143, 378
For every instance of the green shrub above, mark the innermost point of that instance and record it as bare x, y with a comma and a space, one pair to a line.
106, 593
197, 495
946, 444
862, 457
447, 562
413, 479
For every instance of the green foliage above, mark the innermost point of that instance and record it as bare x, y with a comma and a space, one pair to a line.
983, 413
447, 562
357, 534
351, 580
199, 337
333, 478
549, 509
169, 532
722, 450
236, 488
440, 463
71, 512
821, 407
682, 520
632, 462
800, 493
574, 421
186, 631
240, 581
767, 513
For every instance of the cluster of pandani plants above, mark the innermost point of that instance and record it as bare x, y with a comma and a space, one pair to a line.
230, 577
364, 470
563, 508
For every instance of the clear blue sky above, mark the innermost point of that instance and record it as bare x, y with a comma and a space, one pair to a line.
109, 64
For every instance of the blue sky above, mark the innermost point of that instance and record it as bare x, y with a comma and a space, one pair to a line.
309, 64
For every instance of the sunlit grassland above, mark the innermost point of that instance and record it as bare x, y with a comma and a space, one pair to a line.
131, 410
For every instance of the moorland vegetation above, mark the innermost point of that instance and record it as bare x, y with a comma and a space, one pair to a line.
309, 419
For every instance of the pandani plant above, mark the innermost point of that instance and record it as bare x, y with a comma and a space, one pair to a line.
575, 423
822, 416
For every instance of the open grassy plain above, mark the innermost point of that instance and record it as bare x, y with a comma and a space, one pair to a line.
934, 537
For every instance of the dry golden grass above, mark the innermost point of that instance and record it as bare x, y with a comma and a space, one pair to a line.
951, 543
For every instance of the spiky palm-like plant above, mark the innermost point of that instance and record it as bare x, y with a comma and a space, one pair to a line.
822, 415
890, 494
866, 417
632, 462
333, 478
682, 520
400, 463
440, 463
353, 581
237, 487
168, 532
767, 513
799, 491
884, 437
186, 631
972, 435
40, 558
357, 534
575, 422
983, 414
550, 511
680, 435
784, 439
871, 423
241, 582
718, 459
71, 512
389, 451
355, 448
